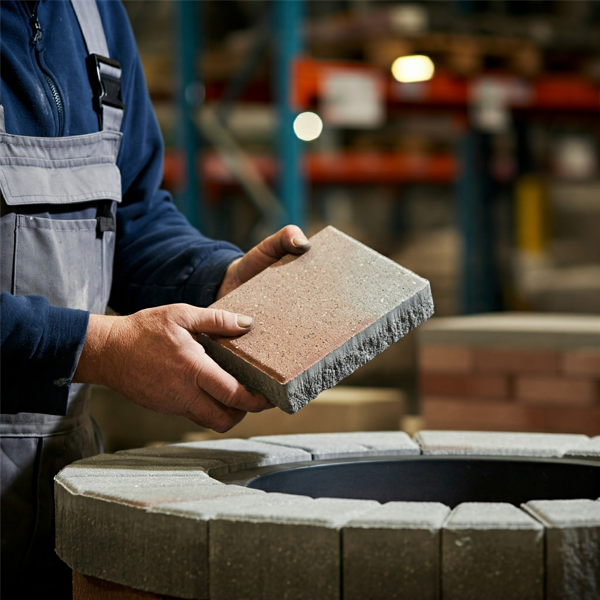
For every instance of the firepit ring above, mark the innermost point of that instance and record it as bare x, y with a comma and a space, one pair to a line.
183, 521
449, 480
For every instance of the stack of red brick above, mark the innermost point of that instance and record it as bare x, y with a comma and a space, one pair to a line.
538, 377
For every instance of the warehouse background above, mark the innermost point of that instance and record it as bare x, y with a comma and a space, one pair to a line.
460, 138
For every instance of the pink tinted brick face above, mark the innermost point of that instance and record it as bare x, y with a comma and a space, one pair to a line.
450, 413
585, 361
516, 360
318, 317
557, 391
493, 386
445, 359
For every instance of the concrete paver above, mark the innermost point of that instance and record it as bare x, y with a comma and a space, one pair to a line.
236, 454
393, 552
318, 317
493, 551
343, 445
490, 443
289, 550
572, 547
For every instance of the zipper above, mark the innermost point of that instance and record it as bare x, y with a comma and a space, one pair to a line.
37, 36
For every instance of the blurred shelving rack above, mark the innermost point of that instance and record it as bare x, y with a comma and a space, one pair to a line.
504, 51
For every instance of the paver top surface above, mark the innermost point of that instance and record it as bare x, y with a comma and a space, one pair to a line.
498, 443
490, 515
566, 513
305, 307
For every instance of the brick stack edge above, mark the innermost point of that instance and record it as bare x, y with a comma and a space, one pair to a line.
511, 372
318, 317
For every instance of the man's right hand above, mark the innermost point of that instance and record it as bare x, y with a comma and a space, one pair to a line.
153, 359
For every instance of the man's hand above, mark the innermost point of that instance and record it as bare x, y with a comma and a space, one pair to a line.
153, 359
289, 240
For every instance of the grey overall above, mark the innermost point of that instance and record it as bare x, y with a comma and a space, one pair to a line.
65, 255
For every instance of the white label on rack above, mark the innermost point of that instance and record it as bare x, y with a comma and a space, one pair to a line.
353, 98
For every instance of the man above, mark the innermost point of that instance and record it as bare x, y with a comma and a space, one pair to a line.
84, 222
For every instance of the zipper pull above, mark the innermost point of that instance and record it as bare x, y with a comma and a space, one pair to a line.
37, 28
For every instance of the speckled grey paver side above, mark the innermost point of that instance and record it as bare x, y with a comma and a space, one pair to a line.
343, 445
318, 317
393, 552
236, 454
490, 443
125, 544
588, 450
572, 547
493, 551
288, 550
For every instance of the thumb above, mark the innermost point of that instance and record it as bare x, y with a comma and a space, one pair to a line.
217, 322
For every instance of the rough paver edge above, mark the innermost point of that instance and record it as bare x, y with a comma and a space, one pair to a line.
335, 366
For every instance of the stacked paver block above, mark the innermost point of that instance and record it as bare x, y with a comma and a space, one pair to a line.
288, 550
572, 547
346, 445
219, 457
393, 552
155, 520
493, 551
318, 317
483, 443
511, 372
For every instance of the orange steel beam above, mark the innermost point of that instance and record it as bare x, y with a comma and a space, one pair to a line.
349, 167
554, 92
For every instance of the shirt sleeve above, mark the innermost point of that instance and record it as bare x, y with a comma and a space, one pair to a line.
41, 345
160, 258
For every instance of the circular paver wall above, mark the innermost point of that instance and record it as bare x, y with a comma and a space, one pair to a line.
160, 520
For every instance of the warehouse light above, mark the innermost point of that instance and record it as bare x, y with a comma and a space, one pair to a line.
408, 69
308, 126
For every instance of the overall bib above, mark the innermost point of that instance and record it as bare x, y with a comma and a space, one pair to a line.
57, 240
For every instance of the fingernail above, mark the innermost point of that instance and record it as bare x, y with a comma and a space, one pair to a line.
300, 242
245, 322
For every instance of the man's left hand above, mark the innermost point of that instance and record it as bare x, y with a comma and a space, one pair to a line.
289, 240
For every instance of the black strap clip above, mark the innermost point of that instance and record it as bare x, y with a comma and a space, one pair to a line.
106, 87
105, 219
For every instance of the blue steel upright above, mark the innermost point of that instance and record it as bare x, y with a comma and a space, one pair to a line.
479, 282
188, 98
287, 29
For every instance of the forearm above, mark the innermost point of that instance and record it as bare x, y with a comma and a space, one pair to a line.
41, 345
93, 360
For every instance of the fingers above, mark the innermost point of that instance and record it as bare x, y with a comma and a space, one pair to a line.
289, 240
227, 389
214, 415
215, 322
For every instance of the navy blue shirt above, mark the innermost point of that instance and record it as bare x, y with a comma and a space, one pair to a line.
160, 258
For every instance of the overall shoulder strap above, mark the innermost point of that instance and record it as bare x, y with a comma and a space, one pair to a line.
2, 125
105, 74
